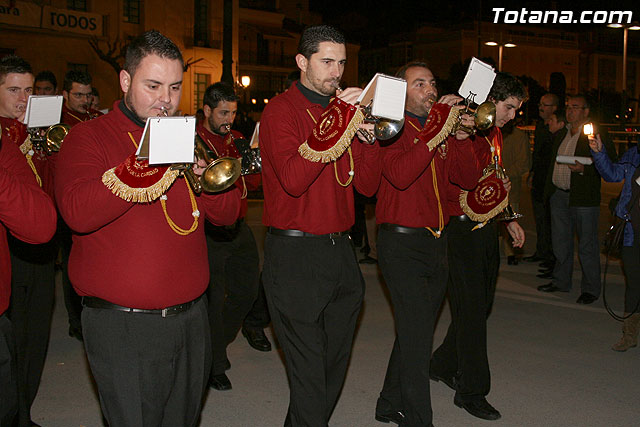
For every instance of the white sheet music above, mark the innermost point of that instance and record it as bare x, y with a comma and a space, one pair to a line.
255, 138
388, 94
168, 140
43, 110
478, 81
571, 160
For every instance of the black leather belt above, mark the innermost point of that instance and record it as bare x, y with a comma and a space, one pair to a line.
404, 230
465, 218
95, 302
563, 190
298, 233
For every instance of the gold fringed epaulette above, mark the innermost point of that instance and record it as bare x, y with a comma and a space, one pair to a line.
441, 122
136, 181
333, 132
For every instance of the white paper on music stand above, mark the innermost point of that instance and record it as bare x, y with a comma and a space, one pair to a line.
255, 141
571, 160
43, 110
388, 94
477, 81
168, 140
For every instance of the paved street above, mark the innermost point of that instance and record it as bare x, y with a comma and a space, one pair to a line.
550, 359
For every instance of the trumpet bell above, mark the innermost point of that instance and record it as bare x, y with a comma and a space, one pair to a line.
386, 129
221, 174
485, 115
55, 135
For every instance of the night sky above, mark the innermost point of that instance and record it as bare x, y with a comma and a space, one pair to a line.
370, 22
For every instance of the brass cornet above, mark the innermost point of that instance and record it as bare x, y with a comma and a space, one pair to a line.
383, 129
49, 140
251, 159
484, 117
220, 173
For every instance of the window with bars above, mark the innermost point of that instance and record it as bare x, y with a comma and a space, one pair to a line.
201, 24
200, 84
131, 11
80, 5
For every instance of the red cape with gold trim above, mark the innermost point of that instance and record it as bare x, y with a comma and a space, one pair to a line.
135, 181
487, 200
333, 132
439, 125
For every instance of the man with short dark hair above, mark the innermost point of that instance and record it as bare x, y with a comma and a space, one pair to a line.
574, 201
78, 96
412, 242
139, 251
33, 273
45, 83
461, 361
542, 144
233, 253
311, 276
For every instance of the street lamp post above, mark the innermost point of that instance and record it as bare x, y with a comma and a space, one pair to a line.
626, 28
500, 47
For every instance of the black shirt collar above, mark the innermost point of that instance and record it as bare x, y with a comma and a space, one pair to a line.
421, 119
131, 115
312, 96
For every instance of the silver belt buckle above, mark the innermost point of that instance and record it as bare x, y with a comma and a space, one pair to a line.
164, 312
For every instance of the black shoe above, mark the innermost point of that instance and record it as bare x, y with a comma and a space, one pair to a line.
550, 287
76, 333
512, 260
220, 382
586, 298
548, 265
368, 260
545, 275
257, 339
532, 258
449, 381
390, 417
478, 408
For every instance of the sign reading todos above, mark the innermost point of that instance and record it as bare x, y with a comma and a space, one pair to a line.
71, 21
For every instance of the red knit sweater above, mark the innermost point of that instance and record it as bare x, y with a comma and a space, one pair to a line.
407, 194
124, 252
300, 194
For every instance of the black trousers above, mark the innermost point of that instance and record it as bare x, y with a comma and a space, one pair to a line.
315, 290
415, 270
72, 301
150, 371
233, 286
473, 270
30, 311
631, 267
8, 373
542, 216
258, 317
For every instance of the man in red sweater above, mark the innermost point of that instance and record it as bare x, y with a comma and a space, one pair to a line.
311, 276
33, 278
78, 96
141, 267
29, 215
461, 360
412, 212
233, 253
